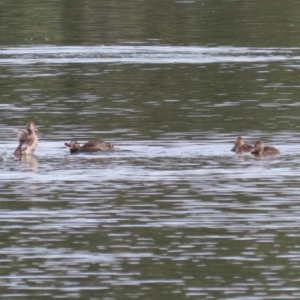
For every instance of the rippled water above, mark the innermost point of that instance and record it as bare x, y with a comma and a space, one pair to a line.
174, 215
143, 54
190, 218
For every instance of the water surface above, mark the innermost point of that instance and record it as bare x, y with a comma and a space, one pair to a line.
176, 214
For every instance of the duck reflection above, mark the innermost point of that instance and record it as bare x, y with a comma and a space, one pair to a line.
90, 158
29, 162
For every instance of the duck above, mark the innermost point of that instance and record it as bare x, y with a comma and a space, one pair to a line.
91, 146
261, 150
28, 139
240, 146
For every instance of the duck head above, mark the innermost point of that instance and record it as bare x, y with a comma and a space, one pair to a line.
238, 142
73, 146
258, 148
31, 127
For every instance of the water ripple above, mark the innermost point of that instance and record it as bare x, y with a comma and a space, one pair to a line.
142, 54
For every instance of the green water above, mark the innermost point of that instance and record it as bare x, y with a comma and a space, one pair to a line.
177, 215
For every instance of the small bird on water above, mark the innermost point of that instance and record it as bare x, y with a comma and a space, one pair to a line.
91, 146
28, 139
261, 150
240, 146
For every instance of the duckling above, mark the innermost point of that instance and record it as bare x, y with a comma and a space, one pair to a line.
91, 146
28, 139
240, 146
261, 150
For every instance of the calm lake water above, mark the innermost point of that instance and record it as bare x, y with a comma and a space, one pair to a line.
177, 215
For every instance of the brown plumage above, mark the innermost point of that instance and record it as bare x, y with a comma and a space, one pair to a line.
91, 146
28, 139
240, 146
261, 150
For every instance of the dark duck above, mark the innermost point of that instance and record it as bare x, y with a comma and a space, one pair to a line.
240, 146
261, 150
91, 146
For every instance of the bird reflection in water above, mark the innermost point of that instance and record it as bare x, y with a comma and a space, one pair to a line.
29, 163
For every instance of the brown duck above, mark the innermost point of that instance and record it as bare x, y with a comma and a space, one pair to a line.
91, 146
28, 139
261, 150
240, 146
